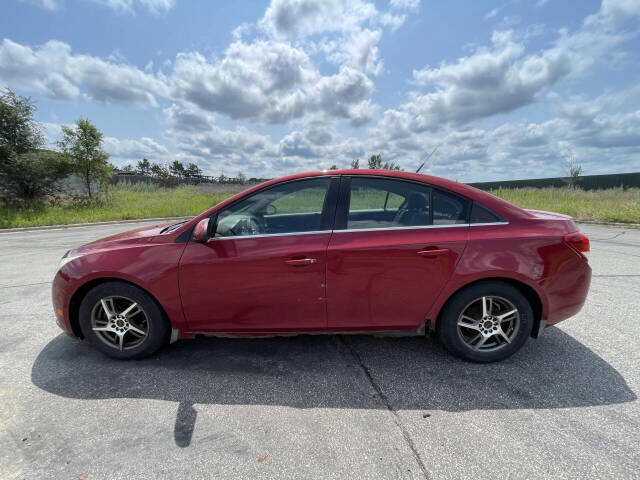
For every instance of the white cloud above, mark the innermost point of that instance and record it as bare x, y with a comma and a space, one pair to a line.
46, 4
134, 149
308, 17
268, 81
490, 81
405, 4
360, 52
54, 71
503, 77
602, 138
350, 29
491, 14
158, 6
613, 13
122, 6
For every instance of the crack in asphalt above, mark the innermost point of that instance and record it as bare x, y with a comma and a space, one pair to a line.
383, 398
620, 275
611, 238
24, 285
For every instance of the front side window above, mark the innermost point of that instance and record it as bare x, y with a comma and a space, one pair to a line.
293, 207
385, 203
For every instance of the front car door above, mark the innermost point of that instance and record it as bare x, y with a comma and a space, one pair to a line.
394, 246
264, 270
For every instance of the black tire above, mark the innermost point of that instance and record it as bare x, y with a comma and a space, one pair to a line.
448, 323
158, 327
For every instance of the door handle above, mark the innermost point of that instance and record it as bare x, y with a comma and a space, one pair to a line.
433, 252
300, 262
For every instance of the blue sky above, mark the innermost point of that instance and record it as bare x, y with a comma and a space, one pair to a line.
505, 89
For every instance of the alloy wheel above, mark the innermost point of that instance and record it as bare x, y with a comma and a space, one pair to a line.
488, 323
120, 322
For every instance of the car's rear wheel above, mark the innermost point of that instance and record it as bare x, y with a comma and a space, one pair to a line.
486, 322
122, 321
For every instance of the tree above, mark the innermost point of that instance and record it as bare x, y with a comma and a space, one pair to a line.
242, 178
574, 170
19, 132
176, 169
391, 166
160, 173
375, 161
27, 172
355, 164
30, 176
222, 178
128, 168
82, 146
143, 167
333, 167
192, 170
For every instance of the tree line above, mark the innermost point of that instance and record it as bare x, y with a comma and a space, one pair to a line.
374, 162
177, 171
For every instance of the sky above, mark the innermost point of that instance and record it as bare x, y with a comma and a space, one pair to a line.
499, 89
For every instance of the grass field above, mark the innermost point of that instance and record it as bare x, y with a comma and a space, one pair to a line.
613, 205
126, 202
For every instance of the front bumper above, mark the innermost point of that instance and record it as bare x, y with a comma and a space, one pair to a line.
61, 296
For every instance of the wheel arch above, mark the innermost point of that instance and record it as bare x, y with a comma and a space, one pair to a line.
529, 292
81, 292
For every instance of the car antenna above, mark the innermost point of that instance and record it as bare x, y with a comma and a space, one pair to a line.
427, 159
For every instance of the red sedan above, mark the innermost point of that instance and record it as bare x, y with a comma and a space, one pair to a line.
351, 251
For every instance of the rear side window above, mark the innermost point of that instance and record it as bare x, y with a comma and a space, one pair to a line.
386, 203
480, 214
449, 208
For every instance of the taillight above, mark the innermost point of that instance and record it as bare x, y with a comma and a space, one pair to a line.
579, 242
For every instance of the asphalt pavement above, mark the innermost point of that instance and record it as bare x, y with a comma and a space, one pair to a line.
360, 407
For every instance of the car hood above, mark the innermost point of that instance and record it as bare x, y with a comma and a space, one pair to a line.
139, 235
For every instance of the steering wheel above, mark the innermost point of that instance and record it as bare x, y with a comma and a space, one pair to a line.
270, 209
246, 226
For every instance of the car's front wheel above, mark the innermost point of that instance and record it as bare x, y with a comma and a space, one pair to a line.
486, 322
122, 321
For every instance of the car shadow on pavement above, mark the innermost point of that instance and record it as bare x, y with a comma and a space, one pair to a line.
412, 373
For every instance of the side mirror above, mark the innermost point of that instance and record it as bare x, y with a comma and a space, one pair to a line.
201, 231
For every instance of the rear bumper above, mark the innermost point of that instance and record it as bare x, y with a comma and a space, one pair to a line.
567, 290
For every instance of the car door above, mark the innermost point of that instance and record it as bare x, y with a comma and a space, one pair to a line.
264, 270
387, 260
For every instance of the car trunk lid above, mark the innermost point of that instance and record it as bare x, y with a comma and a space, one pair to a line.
559, 222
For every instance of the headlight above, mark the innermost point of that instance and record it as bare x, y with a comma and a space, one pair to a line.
65, 260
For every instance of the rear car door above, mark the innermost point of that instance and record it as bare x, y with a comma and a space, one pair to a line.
394, 246
265, 268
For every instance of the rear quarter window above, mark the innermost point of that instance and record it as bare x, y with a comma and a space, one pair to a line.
480, 214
